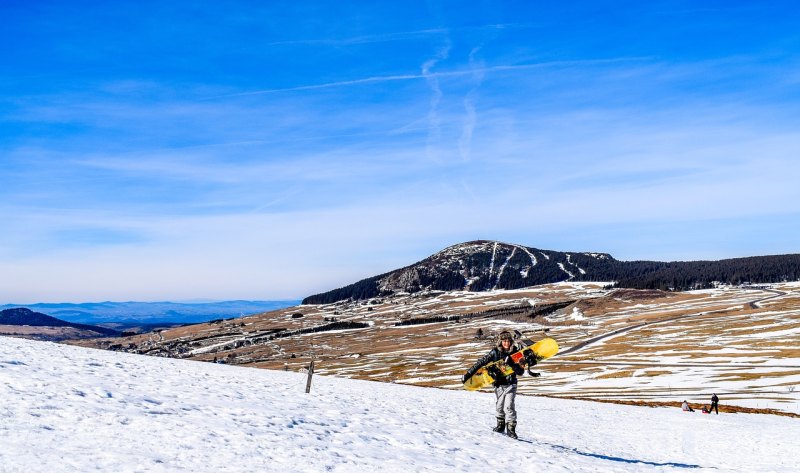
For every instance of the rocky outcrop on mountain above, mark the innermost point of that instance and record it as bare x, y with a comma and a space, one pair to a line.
487, 265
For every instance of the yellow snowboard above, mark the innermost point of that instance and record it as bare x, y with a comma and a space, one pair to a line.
543, 349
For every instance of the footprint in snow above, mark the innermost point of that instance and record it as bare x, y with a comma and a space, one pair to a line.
103, 393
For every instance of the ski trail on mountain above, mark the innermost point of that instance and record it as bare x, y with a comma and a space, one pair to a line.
494, 254
503, 267
534, 262
571, 276
573, 264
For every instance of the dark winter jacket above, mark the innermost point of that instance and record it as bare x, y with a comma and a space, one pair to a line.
497, 354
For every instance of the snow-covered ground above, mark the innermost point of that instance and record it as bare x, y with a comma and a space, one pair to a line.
74, 409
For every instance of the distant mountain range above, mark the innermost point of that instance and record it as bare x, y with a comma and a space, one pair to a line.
22, 317
152, 312
485, 265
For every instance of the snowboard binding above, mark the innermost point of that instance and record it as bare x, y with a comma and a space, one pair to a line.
531, 360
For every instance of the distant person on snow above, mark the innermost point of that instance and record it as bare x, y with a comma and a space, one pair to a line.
705, 410
686, 407
505, 387
714, 404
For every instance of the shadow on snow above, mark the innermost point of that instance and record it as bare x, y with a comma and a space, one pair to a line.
617, 459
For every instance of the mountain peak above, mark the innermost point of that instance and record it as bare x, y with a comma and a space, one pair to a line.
478, 265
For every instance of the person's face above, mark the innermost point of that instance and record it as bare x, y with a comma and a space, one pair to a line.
506, 344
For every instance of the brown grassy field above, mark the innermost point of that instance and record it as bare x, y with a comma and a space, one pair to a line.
642, 346
44, 333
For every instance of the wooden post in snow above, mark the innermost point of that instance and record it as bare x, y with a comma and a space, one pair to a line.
310, 373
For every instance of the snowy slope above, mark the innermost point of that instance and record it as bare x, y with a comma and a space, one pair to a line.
74, 409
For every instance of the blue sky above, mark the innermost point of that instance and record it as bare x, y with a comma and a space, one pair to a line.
271, 150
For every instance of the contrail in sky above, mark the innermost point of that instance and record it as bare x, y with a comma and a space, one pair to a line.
434, 129
465, 142
429, 75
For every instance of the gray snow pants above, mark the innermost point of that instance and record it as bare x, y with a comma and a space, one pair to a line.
504, 408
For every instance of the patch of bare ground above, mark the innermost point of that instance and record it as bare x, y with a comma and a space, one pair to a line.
781, 348
616, 374
755, 376
652, 373
635, 294
556, 323
790, 384
750, 326
723, 409
45, 333
611, 348
594, 306
702, 353
791, 302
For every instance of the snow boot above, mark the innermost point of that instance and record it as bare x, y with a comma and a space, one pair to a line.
512, 429
501, 426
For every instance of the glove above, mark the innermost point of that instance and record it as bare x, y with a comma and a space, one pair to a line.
468, 374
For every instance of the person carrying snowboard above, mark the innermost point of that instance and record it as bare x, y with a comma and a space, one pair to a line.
505, 387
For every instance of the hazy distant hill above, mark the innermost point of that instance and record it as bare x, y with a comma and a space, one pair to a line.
42, 326
486, 265
135, 313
